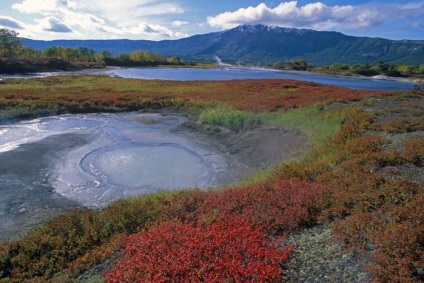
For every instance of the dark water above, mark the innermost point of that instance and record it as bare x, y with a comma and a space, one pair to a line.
236, 73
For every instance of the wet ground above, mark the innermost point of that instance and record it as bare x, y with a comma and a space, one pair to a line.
27, 198
52, 164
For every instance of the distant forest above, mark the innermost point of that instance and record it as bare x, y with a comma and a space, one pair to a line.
365, 69
12, 47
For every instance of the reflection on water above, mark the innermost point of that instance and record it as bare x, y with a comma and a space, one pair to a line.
127, 154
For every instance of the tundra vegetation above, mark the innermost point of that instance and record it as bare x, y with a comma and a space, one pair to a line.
362, 177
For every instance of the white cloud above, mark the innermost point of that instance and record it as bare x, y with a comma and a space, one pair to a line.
155, 31
84, 21
414, 9
9, 22
53, 24
99, 18
179, 23
126, 12
42, 6
313, 15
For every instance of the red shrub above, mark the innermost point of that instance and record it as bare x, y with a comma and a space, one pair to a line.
231, 250
275, 206
414, 151
184, 206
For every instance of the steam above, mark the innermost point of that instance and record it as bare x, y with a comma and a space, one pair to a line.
219, 62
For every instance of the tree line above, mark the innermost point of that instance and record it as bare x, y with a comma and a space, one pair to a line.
12, 47
365, 69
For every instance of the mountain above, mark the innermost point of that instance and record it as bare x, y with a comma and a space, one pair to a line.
262, 44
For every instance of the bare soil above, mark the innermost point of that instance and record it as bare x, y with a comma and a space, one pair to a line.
251, 150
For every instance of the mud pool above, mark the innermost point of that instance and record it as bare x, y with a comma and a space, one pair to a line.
52, 164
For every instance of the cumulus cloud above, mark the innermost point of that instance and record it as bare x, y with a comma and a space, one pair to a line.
125, 10
150, 29
313, 15
126, 13
9, 22
42, 6
53, 24
99, 18
154, 30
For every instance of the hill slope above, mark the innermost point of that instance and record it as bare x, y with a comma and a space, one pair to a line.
263, 44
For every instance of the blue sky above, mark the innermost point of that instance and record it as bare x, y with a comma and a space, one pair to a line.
172, 19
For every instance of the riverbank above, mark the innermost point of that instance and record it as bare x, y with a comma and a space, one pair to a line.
21, 66
375, 77
24, 67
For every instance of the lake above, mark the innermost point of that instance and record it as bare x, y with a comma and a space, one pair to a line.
242, 73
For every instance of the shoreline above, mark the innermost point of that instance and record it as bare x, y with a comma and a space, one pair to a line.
341, 75
103, 72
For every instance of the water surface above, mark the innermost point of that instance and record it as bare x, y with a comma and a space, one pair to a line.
119, 155
241, 73
228, 72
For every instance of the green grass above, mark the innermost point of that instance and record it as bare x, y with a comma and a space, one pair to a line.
28, 110
319, 123
229, 118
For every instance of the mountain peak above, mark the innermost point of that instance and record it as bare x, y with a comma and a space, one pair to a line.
265, 45
266, 28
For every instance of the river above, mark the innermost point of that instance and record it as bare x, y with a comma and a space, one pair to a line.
228, 72
242, 73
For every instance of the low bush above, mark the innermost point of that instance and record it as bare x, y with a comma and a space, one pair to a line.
307, 171
386, 222
276, 206
376, 213
414, 152
228, 250
329, 152
362, 145
400, 126
69, 240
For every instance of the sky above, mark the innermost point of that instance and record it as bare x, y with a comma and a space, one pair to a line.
173, 19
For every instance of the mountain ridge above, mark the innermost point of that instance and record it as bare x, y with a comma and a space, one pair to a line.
264, 45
